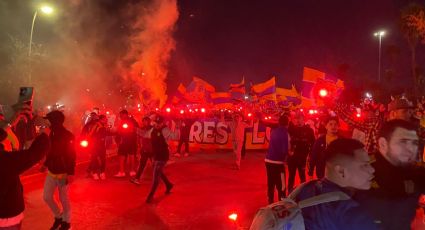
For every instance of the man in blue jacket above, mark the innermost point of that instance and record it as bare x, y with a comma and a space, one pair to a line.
348, 170
275, 159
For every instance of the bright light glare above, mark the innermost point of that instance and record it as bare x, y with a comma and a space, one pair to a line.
168, 110
379, 33
84, 143
181, 111
233, 216
323, 93
46, 9
203, 110
125, 125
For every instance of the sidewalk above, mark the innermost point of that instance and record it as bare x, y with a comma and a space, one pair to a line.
206, 191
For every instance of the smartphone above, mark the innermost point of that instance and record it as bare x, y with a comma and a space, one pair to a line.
26, 94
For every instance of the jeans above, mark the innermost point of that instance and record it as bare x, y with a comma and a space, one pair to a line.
50, 185
295, 163
275, 176
98, 161
158, 173
144, 157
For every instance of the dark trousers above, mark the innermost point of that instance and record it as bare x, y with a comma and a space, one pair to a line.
186, 145
97, 161
158, 173
274, 180
144, 157
295, 163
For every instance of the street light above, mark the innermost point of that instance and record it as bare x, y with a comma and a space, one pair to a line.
379, 34
45, 9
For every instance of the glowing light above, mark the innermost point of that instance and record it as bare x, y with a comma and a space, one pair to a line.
233, 216
203, 110
157, 109
125, 126
107, 112
168, 110
196, 110
249, 114
379, 33
358, 115
181, 111
266, 118
301, 110
190, 110
311, 111
246, 97
139, 109
270, 117
49, 107
84, 143
323, 92
315, 111
46, 9
138, 105
368, 95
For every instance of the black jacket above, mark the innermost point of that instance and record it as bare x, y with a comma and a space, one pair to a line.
12, 164
159, 145
302, 140
61, 157
394, 195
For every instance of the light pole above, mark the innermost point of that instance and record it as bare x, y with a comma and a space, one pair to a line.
46, 10
379, 34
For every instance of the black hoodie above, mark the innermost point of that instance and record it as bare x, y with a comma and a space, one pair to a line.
12, 164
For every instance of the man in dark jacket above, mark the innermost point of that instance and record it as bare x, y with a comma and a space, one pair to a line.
144, 134
348, 170
302, 139
275, 159
316, 159
159, 136
60, 163
398, 181
12, 164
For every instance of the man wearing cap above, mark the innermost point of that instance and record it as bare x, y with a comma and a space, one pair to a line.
399, 108
159, 136
60, 165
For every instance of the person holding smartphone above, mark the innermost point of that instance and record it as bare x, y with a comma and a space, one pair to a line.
12, 165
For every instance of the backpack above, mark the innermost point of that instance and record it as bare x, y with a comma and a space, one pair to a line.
286, 214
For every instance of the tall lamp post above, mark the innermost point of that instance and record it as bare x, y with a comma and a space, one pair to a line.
379, 34
46, 10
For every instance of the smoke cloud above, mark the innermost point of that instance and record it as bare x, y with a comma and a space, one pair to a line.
90, 53
151, 43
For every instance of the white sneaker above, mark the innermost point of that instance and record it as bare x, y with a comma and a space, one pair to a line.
132, 173
95, 176
102, 176
120, 174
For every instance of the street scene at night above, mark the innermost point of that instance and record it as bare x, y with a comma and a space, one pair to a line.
212, 114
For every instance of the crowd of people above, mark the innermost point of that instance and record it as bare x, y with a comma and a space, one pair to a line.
381, 171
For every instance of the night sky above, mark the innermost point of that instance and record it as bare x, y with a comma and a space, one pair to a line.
225, 40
